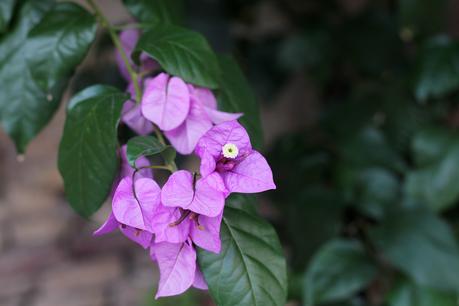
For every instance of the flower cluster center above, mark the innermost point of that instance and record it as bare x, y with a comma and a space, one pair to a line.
230, 150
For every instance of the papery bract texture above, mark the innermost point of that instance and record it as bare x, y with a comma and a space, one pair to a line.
136, 209
177, 265
228, 132
202, 198
199, 281
251, 174
166, 101
143, 238
207, 234
186, 136
161, 225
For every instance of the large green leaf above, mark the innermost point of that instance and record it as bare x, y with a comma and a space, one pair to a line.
155, 11
434, 183
24, 109
88, 159
406, 293
438, 71
338, 270
422, 246
59, 43
235, 95
6, 13
181, 52
35, 67
250, 269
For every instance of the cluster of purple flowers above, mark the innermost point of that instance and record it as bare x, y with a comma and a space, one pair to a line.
187, 211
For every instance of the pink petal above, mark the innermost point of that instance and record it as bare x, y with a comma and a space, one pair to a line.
109, 226
128, 171
163, 217
136, 212
218, 117
178, 190
208, 198
186, 136
199, 281
143, 238
208, 164
177, 266
207, 235
132, 117
227, 132
166, 101
252, 174
205, 97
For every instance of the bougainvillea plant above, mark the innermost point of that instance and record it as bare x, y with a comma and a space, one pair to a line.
199, 227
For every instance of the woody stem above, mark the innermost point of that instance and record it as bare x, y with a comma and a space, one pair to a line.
104, 22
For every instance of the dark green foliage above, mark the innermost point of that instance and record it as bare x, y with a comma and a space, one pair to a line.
88, 158
181, 52
250, 270
37, 57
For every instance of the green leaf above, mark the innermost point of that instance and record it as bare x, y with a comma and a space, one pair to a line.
434, 183
88, 159
338, 270
422, 246
24, 109
423, 17
369, 147
406, 293
438, 69
143, 146
182, 53
156, 11
236, 96
59, 43
6, 13
35, 67
250, 269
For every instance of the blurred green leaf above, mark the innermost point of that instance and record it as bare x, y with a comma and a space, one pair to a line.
424, 17
6, 13
156, 11
338, 270
24, 109
438, 68
181, 52
88, 159
312, 49
436, 151
235, 95
307, 212
35, 67
372, 190
250, 269
422, 246
369, 147
370, 43
406, 293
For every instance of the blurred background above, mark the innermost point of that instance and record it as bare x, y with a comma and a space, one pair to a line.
359, 104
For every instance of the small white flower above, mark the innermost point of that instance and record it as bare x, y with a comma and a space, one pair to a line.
230, 150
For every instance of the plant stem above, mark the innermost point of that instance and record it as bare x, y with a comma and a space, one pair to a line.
116, 41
